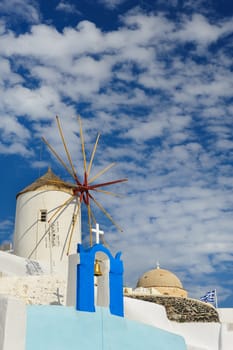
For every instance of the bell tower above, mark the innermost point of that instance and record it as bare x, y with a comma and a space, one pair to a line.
110, 278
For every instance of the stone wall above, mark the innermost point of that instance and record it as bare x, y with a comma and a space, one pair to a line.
35, 289
183, 309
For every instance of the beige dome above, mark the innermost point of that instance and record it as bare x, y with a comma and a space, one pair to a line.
159, 278
165, 281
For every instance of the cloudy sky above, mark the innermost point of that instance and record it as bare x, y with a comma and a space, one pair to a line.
156, 81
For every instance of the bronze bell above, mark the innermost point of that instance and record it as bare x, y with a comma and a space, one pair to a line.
97, 269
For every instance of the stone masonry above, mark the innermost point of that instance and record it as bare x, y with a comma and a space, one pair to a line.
183, 309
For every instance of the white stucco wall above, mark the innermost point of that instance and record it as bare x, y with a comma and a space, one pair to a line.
226, 337
74, 259
12, 265
198, 335
225, 315
12, 324
146, 312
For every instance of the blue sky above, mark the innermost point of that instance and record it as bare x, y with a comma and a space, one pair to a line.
156, 80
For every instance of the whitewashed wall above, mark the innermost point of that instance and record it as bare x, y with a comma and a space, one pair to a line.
198, 336
146, 312
12, 324
49, 238
226, 338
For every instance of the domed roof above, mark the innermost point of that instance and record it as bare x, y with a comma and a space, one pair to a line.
159, 278
48, 179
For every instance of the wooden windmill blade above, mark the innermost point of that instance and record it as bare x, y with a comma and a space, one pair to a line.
74, 223
75, 176
82, 189
89, 223
102, 172
52, 219
106, 213
83, 145
109, 193
57, 156
62, 206
39, 242
93, 155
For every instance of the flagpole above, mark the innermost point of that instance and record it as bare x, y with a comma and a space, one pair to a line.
216, 299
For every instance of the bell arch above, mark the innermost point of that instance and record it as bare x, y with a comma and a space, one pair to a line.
85, 280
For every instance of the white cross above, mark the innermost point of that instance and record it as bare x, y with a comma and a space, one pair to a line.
98, 232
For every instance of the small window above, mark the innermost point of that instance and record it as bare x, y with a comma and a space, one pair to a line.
43, 215
74, 218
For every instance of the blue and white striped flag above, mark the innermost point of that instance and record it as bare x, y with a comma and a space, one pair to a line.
209, 297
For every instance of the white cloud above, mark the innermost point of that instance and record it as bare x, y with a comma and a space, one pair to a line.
27, 10
37, 104
162, 110
67, 7
111, 4
200, 30
11, 126
15, 148
7, 76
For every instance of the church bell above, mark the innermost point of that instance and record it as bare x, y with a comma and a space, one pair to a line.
97, 269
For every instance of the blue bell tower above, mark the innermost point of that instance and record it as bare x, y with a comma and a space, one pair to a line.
85, 294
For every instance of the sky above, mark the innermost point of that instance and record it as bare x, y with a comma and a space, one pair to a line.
155, 79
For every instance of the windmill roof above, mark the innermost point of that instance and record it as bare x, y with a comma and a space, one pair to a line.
48, 179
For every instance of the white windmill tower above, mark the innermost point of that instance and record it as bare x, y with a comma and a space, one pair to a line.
48, 212
44, 222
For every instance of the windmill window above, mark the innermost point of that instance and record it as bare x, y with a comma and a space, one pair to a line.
74, 217
43, 215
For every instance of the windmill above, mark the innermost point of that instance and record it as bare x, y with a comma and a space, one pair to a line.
83, 189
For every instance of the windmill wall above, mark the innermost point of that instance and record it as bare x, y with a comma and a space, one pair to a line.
36, 237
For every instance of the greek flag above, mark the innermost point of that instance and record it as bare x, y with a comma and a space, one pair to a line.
209, 297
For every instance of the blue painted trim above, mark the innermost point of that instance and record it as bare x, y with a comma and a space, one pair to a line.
85, 280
